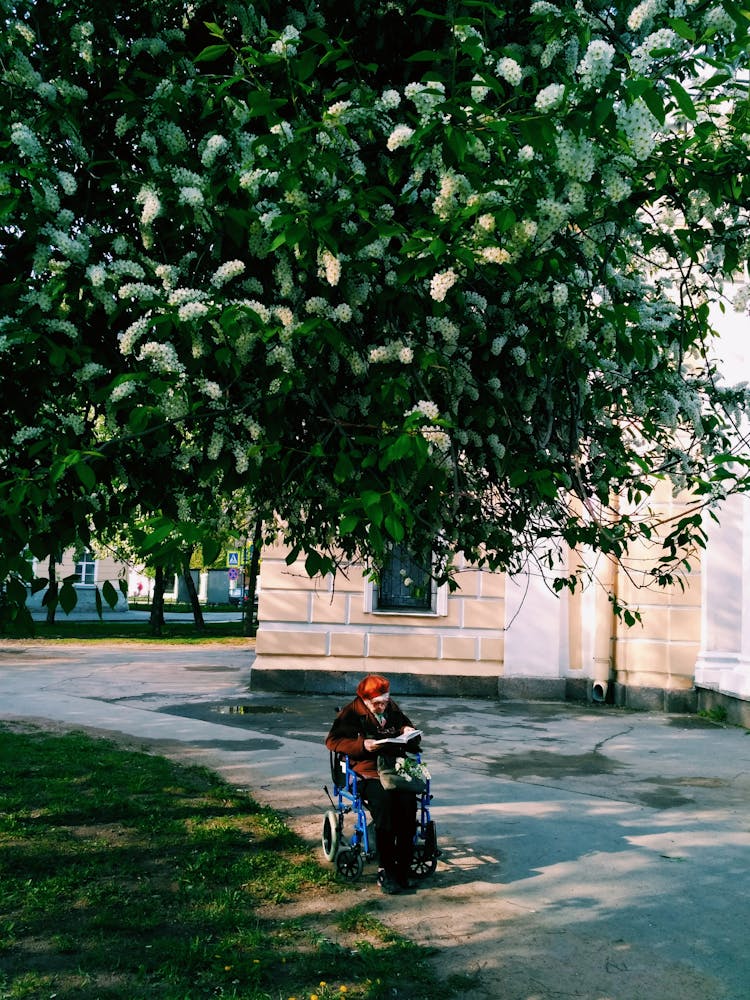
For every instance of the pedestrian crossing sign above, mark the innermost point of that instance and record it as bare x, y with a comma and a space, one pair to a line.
233, 557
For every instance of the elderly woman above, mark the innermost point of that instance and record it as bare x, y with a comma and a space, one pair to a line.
371, 717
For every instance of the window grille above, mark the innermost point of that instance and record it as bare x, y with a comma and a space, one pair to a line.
404, 583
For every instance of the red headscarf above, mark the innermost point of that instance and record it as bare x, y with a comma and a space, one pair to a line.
373, 686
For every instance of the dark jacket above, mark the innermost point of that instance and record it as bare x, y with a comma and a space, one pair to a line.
355, 723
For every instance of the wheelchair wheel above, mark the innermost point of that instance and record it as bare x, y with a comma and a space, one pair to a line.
331, 835
426, 853
349, 864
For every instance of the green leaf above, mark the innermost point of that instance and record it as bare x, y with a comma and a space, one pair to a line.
394, 527
652, 100
505, 219
110, 594
456, 141
426, 55
344, 469
67, 597
396, 451
373, 504
538, 133
138, 419
86, 474
683, 99
431, 15
312, 564
211, 52
348, 524
682, 28
370, 499
544, 483
156, 537
15, 590
293, 555
602, 110
210, 548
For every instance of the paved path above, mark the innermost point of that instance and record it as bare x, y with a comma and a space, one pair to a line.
589, 852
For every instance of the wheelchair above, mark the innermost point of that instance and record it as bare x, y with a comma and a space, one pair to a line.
348, 848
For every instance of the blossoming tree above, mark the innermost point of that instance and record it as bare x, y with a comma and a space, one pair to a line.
439, 277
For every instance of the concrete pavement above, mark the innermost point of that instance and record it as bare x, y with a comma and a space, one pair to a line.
589, 852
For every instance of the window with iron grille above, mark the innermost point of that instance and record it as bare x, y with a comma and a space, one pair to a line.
85, 567
404, 583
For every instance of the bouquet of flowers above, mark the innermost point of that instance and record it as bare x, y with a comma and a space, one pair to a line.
406, 773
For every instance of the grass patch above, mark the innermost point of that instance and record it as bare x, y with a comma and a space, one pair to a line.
716, 714
229, 632
126, 876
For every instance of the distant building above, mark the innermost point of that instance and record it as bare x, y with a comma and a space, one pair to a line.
91, 572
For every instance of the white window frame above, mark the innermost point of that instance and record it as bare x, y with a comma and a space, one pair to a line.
86, 560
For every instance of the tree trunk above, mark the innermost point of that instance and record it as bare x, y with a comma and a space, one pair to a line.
187, 576
249, 625
52, 590
157, 603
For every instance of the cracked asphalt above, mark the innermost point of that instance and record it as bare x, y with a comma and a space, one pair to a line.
588, 851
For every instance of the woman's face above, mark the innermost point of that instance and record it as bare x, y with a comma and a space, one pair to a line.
378, 705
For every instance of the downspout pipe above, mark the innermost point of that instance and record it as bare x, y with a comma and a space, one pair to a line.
604, 635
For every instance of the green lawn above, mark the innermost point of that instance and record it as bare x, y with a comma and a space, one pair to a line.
125, 876
139, 631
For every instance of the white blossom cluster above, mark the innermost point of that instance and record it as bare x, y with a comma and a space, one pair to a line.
441, 283
330, 267
426, 408
287, 42
228, 270
400, 136
509, 70
162, 357
149, 199
550, 97
426, 97
395, 350
596, 64
643, 55
576, 156
26, 140
719, 19
642, 15
640, 128
437, 440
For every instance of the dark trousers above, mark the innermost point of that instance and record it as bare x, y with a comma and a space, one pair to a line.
394, 814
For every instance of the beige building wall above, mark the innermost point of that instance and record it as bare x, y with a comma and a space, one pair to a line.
494, 636
660, 653
329, 627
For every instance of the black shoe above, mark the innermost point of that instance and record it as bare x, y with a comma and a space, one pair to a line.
406, 882
388, 884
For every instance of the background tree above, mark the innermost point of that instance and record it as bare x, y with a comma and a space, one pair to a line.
436, 277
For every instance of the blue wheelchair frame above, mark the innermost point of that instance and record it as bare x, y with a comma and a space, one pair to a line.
350, 852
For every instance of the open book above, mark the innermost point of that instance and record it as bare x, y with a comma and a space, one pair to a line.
403, 738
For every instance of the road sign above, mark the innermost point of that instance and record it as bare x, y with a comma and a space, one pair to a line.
234, 574
233, 557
